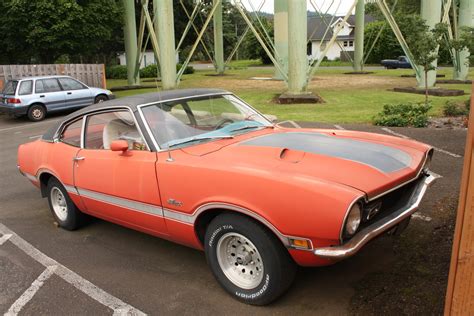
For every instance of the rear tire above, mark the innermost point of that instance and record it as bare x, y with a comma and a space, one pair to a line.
64, 211
247, 260
100, 98
36, 112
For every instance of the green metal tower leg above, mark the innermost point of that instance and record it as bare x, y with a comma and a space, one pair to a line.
281, 35
166, 42
130, 39
297, 58
431, 13
218, 39
359, 36
466, 18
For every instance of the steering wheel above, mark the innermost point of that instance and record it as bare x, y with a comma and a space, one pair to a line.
223, 123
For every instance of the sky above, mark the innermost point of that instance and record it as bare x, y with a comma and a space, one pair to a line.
339, 7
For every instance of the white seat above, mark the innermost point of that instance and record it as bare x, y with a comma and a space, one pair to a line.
118, 129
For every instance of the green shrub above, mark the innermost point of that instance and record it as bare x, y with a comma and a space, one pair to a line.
453, 108
189, 69
151, 71
468, 105
116, 72
403, 114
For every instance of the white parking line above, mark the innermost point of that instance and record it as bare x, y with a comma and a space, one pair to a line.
36, 136
4, 238
425, 218
31, 291
388, 130
339, 127
88, 288
27, 125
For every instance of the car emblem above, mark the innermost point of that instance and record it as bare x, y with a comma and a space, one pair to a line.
174, 202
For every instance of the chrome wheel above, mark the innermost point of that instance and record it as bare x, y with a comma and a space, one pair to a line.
240, 260
58, 202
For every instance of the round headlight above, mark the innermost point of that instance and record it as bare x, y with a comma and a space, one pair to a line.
353, 220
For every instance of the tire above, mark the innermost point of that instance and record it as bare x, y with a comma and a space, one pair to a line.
257, 274
36, 112
66, 214
100, 98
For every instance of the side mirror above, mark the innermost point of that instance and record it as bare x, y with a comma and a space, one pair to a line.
119, 145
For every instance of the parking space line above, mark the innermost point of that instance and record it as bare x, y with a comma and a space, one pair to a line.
118, 306
388, 130
31, 291
339, 127
26, 125
4, 238
36, 136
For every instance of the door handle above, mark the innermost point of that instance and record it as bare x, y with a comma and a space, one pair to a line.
78, 158
69, 93
42, 96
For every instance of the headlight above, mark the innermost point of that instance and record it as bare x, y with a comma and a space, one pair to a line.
353, 220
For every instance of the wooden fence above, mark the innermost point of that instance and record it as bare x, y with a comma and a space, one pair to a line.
460, 294
91, 74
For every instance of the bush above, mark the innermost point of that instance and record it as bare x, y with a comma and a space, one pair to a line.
403, 114
452, 108
116, 72
152, 71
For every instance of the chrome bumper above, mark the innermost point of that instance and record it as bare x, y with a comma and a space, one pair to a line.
370, 232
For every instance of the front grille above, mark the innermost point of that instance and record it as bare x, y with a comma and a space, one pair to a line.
390, 202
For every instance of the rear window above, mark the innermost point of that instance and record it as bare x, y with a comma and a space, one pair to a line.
26, 87
10, 87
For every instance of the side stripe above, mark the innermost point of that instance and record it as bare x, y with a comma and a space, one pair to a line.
133, 205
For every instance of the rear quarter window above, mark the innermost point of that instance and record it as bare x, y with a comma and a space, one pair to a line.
26, 87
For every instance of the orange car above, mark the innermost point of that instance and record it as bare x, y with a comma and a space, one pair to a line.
204, 169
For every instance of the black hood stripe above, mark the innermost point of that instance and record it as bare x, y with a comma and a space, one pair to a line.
384, 158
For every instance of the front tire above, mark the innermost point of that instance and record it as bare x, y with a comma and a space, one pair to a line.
36, 113
66, 214
247, 260
100, 98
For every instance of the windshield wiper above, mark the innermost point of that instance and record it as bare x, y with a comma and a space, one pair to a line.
242, 128
197, 138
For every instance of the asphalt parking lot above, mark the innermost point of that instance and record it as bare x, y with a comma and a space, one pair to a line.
107, 269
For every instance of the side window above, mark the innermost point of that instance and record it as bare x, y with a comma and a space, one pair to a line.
179, 112
47, 85
26, 87
72, 134
102, 129
70, 84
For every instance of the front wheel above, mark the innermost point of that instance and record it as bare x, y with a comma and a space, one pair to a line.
100, 98
248, 261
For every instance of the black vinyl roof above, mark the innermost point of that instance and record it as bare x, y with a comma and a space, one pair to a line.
132, 102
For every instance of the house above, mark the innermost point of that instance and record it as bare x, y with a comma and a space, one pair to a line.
318, 38
147, 60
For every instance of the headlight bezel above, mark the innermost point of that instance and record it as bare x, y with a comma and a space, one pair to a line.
357, 207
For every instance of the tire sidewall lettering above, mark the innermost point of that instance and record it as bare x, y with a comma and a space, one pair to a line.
216, 232
257, 294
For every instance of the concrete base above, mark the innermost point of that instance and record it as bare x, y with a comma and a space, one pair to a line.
414, 76
453, 81
286, 98
439, 92
359, 73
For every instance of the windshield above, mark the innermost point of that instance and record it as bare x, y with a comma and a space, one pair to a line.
190, 121
10, 87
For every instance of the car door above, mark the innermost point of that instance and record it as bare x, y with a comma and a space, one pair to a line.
50, 93
118, 186
77, 94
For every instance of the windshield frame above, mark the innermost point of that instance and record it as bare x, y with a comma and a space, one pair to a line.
152, 136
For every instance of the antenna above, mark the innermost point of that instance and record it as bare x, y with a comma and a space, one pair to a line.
169, 159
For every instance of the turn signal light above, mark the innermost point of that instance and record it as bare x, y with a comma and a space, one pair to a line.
301, 243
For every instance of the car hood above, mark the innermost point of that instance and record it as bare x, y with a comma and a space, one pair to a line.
371, 163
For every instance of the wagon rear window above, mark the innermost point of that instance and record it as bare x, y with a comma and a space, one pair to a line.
10, 87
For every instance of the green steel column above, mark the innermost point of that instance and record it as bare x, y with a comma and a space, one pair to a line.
166, 42
466, 18
297, 58
280, 23
359, 36
130, 39
431, 13
218, 39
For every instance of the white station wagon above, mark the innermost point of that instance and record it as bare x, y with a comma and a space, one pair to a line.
37, 96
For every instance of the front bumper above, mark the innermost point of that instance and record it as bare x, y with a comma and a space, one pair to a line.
353, 245
13, 110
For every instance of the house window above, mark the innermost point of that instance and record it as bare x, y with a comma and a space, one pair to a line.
351, 43
346, 43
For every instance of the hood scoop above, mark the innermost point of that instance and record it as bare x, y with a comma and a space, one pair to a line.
291, 156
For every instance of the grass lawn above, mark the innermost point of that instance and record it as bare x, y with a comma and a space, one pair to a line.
348, 98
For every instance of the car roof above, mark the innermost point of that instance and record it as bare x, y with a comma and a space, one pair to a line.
41, 77
133, 102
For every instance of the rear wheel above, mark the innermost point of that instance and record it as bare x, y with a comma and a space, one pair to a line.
66, 214
248, 261
100, 98
36, 112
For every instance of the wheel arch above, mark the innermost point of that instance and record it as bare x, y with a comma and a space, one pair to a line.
205, 214
43, 178
101, 94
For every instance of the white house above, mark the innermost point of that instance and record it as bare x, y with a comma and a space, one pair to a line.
318, 37
148, 59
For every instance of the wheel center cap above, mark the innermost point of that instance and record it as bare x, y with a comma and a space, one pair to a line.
244, 259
